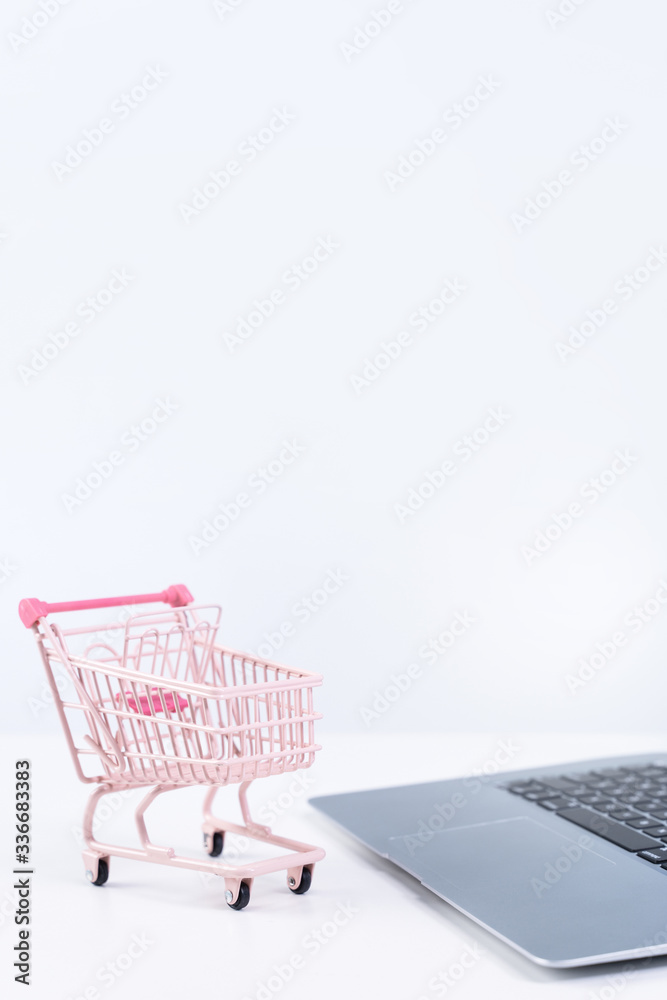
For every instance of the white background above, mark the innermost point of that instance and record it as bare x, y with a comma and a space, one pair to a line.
334, 507
359, 104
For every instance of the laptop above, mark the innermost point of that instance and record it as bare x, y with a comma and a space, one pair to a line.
567, 864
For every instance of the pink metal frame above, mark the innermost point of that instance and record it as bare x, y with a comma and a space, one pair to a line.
31, 610
175, 709
302, 856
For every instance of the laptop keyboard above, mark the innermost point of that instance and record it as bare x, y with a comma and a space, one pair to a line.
627, 806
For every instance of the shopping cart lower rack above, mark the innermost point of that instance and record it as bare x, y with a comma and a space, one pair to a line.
166, 707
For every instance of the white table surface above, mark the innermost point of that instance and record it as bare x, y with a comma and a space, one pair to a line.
392, 938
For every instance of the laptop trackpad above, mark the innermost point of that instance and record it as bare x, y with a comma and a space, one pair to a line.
516, 875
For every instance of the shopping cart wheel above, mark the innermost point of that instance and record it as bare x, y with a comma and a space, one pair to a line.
243, 897
102, 872
304, 884
215, 843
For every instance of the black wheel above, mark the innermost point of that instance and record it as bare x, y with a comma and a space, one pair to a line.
243, 897
218, 841
102, 872
304, 884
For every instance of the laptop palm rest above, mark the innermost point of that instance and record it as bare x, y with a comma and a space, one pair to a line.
545, 892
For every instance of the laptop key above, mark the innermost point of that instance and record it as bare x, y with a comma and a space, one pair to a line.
659, 813
623, 814
648, 805
640, 823
616, 790
554, 804
521, 787
657, 831
616, 833
657, 855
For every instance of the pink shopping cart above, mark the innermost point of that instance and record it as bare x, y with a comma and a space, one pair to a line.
154, 702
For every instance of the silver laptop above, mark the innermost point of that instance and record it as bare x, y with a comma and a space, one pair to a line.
567, 864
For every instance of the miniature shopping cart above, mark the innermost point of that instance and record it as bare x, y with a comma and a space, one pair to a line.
154, 702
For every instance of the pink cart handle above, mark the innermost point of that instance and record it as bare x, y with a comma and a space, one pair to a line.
31, 610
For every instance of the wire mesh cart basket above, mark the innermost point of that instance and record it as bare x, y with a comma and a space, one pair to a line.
154, 702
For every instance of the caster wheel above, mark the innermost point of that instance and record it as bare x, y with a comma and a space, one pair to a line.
217, 841
243, 897
102, 872
304, 884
